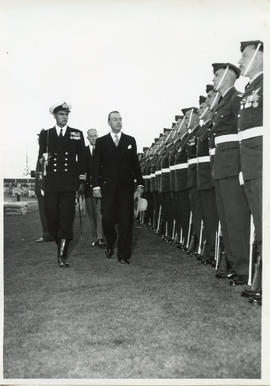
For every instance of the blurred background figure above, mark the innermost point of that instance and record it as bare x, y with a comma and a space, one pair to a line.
92, 204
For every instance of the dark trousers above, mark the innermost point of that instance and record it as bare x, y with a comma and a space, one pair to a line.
157, 201
118, 210
210, 219
182, 211
60, 212
253, 190
42, 215
196, 210
234, 217
93, 209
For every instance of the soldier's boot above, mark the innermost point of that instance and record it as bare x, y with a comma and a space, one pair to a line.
256, 284
62, 253
223, 270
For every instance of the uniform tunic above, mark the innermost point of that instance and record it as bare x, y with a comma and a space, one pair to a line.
62, 178
250, 129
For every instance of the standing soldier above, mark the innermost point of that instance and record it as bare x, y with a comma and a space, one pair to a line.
181, 191
61, 153
164, 187
192, 117
205, 184
250, 126
230, 197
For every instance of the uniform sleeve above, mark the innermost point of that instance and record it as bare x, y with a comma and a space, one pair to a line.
136, 165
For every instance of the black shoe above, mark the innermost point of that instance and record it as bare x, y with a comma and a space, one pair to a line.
40, 240
94, 243
208, 260
256, 298
108, 253
61, 263
239, 280
224, 275
101, 243
123, 261
248, 292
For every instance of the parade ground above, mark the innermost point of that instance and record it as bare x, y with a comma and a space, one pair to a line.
163, 316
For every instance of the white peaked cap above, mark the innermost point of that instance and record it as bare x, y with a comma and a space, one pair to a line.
63, 105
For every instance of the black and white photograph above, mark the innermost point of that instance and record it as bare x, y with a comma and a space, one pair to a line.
135, 192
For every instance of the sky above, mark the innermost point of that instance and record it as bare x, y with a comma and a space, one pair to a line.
145, 58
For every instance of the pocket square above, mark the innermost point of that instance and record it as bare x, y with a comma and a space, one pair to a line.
129, 146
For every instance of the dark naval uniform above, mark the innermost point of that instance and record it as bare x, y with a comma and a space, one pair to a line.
62, 178
230, 197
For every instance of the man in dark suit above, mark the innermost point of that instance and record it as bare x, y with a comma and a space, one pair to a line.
93, 204
116, 167
61, 154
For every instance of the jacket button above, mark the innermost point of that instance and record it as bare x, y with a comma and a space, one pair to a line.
54, 170
65, 170
238, 115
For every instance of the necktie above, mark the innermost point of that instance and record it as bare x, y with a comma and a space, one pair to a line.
116, 140
61, 133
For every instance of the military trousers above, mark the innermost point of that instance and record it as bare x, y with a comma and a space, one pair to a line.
60, 213
253, 190
182, 212
196, 210
234, 217
210, 219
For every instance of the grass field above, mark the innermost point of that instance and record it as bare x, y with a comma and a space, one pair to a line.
162, 316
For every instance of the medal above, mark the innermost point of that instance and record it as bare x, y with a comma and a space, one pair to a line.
255, 99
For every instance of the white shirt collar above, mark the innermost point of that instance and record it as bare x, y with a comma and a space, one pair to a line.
226, 92
91, 148
114, 134
59, 128
256, 76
